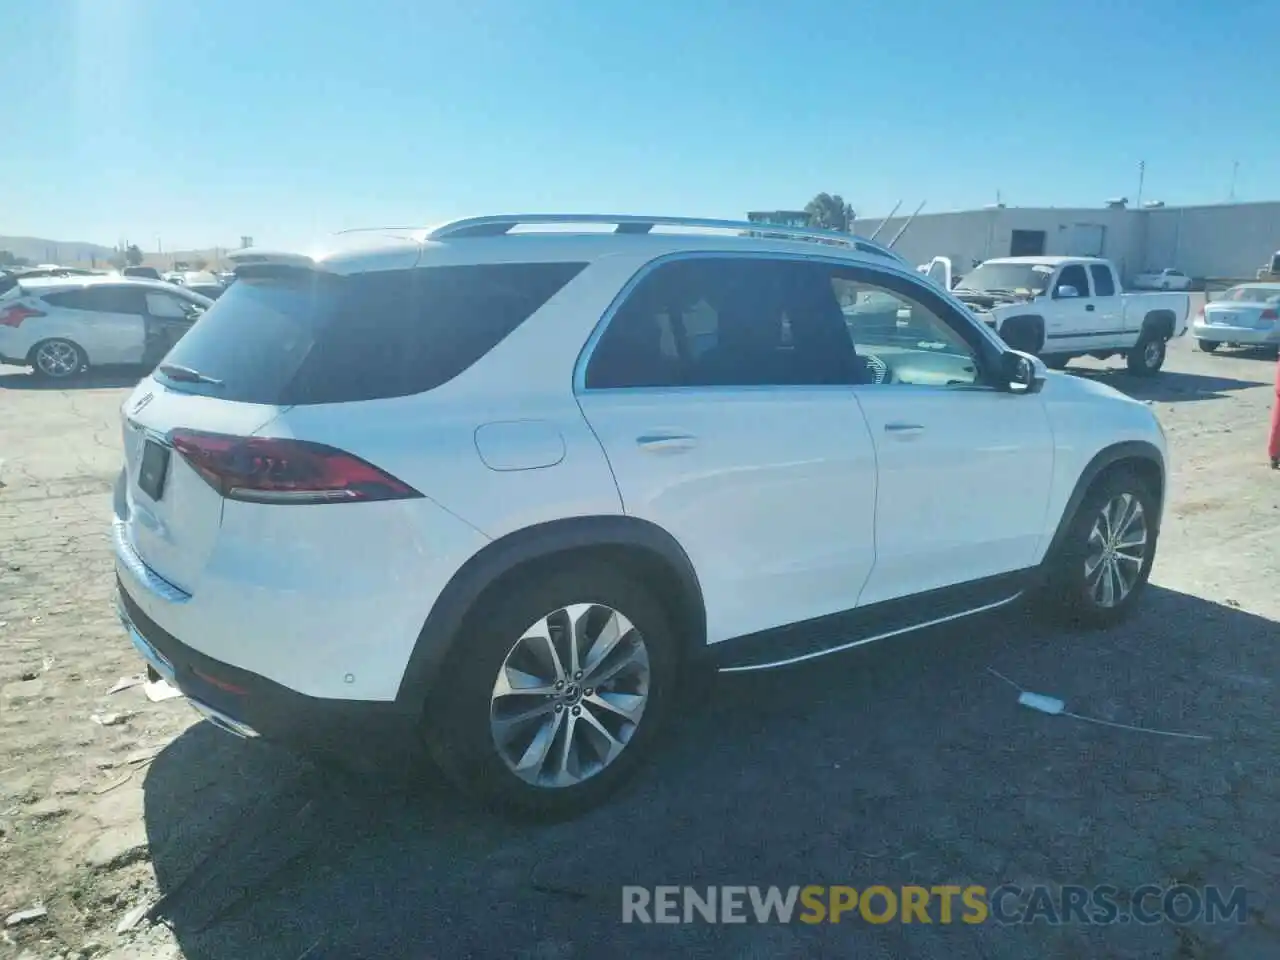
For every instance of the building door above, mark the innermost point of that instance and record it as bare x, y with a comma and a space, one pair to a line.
1086, 240
1026, 243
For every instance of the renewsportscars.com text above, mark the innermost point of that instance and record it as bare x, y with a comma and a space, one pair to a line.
1007, 904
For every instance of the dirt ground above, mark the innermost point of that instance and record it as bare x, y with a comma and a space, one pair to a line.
903, 762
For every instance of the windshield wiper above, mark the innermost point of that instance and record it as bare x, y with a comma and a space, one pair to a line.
187, 375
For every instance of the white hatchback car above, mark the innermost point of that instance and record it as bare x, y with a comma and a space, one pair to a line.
503, 486
62, 326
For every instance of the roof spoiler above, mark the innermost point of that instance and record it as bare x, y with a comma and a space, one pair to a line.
254, 257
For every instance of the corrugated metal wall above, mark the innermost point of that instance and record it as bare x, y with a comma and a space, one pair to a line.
1220, 241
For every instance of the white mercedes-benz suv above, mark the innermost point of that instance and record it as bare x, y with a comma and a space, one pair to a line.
501, 486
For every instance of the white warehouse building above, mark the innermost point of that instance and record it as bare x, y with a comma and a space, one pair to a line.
1228, 241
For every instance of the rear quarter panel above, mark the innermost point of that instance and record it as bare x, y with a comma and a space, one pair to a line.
1138, 304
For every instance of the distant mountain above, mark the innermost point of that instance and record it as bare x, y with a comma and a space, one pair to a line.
75, 253
79, 253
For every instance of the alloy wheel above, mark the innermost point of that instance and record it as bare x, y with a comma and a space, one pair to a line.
1117, 550
570, 695
57, 358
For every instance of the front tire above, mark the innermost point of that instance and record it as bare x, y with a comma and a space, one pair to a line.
556, 693
1208, 346
1102, 565
1147, 356
57, 359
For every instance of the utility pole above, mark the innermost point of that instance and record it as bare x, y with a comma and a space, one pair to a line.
1142, 173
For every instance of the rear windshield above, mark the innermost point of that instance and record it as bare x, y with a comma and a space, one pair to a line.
292, 336
1252, 294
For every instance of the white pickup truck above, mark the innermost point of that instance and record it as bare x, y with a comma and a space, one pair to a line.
1064, 307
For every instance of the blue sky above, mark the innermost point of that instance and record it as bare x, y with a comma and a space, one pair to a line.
198, 121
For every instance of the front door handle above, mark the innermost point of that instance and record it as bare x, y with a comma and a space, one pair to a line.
666, 442
907, 428
1089, 307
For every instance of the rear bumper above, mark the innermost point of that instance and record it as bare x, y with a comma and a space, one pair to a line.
1221, 333
251, 706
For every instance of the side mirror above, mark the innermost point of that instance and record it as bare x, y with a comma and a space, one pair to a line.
1022, 372
1066, 292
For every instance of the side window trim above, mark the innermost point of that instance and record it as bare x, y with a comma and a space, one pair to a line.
984, 343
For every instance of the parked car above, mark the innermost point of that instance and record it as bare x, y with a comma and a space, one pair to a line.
507, 491
54, 270
62, 326
9, 277
1166, 279
149, 273
1059, 308
201, 282
1247, 315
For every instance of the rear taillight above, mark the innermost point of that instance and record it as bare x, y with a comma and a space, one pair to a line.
269, 470
1200, 313
13, 316
1270, 314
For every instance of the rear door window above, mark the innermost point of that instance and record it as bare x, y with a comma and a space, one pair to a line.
733, 321
292, 336
99, 299
1103, 284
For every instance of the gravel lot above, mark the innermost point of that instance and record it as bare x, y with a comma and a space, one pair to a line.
903, 762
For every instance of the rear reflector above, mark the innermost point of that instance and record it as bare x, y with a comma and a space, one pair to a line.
13, 316
269, 470
220, 684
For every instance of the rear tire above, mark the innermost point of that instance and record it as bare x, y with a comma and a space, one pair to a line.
57, 359
1208, 346
558, 752
1093, 578
1147, 356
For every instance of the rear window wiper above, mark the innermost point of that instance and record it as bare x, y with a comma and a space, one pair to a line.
187, 375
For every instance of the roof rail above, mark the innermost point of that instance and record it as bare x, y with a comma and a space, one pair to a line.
500, 224
409, 230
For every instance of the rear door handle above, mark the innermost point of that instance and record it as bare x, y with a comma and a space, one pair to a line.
666, 442
905, 428
1089, 307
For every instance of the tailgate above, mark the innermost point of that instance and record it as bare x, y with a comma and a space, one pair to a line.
172, 515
